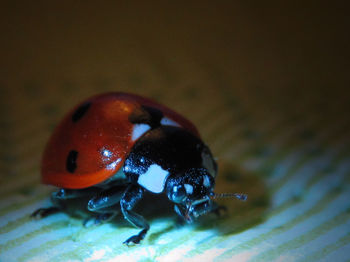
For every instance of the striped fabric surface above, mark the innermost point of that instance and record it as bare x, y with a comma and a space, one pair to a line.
272, 110
295, 169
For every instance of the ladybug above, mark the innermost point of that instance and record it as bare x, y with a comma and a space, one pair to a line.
115, 147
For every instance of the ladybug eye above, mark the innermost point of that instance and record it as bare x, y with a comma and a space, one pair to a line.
177, 194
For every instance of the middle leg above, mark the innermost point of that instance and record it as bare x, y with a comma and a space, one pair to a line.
105, 204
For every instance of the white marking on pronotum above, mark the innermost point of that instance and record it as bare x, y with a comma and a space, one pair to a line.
139, 130
208, 163
188, 188
168, 122
206, 181
154, 179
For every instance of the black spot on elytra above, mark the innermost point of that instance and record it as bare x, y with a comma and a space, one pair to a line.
80, 112
71, 163
146, 115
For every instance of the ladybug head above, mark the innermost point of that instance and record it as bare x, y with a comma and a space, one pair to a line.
191, 192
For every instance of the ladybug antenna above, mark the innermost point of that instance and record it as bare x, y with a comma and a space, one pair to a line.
242, 197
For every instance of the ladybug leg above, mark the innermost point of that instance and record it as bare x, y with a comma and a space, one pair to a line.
131, 196
104, 215
106, 204
44, 212
181, 215
57, 199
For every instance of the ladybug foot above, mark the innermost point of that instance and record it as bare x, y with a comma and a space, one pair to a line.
98, 219
136, 239
44, 212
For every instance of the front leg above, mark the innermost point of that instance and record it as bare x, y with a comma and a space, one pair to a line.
195, 211
131, 196
58, 198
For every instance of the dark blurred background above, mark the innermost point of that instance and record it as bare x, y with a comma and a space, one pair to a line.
272, 45
277, 59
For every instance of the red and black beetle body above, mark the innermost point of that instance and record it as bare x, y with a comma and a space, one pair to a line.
116, 146
93, 140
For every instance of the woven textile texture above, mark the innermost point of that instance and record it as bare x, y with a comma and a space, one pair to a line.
265, 84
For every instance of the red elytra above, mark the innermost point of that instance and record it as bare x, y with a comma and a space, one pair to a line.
102, 125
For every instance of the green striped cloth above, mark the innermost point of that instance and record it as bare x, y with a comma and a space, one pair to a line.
294, 167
